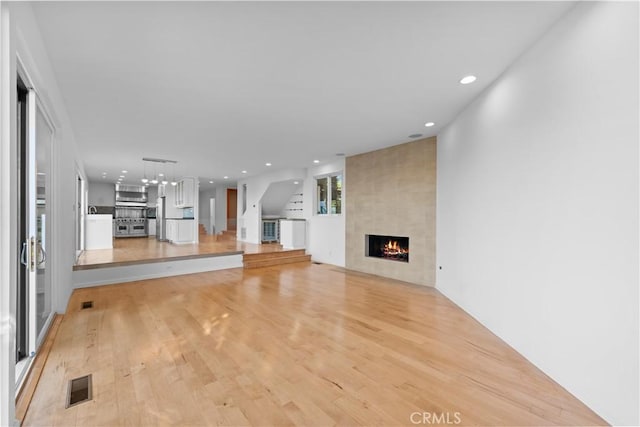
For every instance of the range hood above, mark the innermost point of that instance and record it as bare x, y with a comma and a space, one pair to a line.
131, 195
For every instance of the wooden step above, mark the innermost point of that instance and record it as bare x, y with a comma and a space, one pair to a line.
274, 254
278, 257
268, 262
202, 229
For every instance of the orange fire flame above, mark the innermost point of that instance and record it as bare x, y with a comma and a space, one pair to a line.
393, 248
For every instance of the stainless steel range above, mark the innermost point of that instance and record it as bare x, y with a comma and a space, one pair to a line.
131, 211
130, 227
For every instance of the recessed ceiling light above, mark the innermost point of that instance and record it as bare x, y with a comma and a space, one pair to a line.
103, 176
104, 173
145, 180
467, 79
267, 164
316, 161
296, 182
244, 171
124, 171
429, 124
160, 174
121, 176
225, 177
415, 135
210, 182
154, 181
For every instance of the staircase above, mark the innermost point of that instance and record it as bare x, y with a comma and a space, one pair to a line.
268, 259
227, 235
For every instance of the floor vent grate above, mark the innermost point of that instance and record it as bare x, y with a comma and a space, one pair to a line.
317, 263
87, 304
79, 391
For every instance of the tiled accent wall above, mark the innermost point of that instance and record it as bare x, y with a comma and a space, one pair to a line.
393, 192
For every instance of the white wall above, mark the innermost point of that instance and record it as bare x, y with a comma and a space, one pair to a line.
294, 208
101, 194
20, 36
277, 196
537, 223
325, 233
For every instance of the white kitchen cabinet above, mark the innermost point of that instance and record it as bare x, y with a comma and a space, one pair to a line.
178, 190
151, 227
185, 231
169, 227
181, 230
185, 193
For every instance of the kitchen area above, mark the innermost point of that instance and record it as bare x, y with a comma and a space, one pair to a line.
164, 212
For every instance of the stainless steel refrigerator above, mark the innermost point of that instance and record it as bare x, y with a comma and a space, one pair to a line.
161, 219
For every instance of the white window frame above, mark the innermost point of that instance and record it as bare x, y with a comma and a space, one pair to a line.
328, 177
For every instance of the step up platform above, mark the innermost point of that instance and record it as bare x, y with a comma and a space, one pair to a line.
149, 259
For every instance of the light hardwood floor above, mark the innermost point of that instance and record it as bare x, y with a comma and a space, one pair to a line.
299, 344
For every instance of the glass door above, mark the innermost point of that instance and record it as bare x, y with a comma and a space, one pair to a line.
43, 145
35, 134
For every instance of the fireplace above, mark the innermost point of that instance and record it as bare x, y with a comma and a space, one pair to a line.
394, 248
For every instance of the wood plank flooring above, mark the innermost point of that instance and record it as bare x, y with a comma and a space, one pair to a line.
300, 344
33, 377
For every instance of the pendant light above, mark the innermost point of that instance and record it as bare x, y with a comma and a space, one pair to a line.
155, 175
145, 179
164, 174
173, 175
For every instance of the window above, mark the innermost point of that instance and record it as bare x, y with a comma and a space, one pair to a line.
329, 195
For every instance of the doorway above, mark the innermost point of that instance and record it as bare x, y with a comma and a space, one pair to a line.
232, 208
212, 215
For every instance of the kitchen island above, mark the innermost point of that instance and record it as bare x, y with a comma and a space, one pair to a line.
99, 229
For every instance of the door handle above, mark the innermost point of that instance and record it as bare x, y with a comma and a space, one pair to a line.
23, 255
42, 253
32, 254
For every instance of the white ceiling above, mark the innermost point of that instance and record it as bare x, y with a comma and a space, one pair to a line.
225, 87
